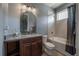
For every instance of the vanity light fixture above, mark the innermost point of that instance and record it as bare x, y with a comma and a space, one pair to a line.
29, 8
23, 8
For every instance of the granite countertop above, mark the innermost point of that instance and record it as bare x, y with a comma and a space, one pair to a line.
21, 37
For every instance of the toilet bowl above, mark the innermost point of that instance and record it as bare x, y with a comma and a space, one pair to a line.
48, 45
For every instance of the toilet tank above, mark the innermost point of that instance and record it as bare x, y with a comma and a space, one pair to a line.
45, 38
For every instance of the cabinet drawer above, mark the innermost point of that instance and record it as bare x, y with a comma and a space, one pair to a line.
23, 41
36, 38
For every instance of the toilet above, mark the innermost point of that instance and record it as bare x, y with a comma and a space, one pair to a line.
47, 46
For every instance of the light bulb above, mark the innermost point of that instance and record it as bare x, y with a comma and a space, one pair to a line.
29, 9
34, 11
24, 8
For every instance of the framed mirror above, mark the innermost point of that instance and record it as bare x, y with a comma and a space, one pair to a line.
27, 23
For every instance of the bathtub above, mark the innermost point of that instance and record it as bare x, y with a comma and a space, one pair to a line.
60, 44
58, 39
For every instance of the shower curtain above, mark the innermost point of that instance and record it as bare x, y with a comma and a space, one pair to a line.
71, 33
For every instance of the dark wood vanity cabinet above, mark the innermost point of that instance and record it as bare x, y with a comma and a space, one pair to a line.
11, 48
31, 46
24, 47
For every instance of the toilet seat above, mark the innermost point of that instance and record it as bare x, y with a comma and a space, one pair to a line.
49, 45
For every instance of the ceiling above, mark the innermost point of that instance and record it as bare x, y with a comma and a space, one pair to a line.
44, 7
53, 5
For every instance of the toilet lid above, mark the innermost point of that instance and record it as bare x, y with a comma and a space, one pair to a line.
48, 44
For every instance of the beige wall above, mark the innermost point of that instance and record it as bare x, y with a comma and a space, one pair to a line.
51, 23
51, 28
61, 28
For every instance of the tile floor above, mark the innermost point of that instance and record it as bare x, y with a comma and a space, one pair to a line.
54, 53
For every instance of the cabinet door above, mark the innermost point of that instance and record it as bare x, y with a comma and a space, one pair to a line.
25, 50
37, 48
25, 47
35, 51
11, 48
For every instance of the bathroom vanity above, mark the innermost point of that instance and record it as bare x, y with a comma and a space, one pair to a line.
24, 45
28, 43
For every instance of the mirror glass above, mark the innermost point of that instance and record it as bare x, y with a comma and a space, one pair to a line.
27, 23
